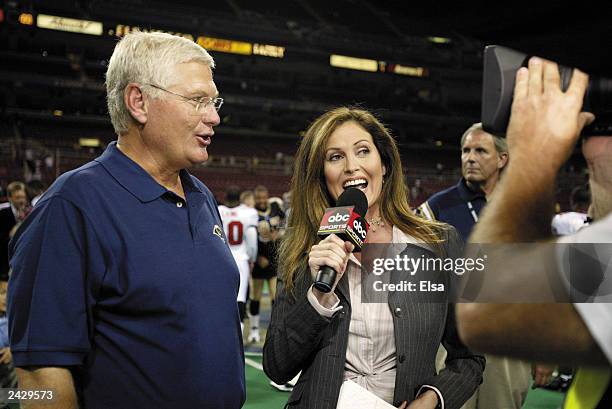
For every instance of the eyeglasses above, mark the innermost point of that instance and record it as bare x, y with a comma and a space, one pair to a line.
200, 104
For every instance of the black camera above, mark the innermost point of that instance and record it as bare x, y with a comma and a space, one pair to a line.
500, 66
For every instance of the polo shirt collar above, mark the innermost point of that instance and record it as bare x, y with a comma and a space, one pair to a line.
466, 193
134, 178
188, 182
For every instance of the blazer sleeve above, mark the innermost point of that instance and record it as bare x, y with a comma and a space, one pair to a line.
295, 331
462, 375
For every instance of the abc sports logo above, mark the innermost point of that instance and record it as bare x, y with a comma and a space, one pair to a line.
358, 227
338, 217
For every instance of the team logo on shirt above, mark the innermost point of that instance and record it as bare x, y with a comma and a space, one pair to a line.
217, 231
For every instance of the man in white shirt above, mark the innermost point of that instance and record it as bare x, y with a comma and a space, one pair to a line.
570, 222
240, 226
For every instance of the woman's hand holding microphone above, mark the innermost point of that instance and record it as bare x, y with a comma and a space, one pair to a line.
331, 252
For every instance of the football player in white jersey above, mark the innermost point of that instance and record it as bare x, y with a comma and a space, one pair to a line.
570, 222
240, 226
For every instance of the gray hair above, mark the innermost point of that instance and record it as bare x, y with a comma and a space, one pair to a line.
501, 146
146, 58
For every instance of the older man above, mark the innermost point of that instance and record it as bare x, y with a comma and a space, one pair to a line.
123, 292
483, 158
546, 119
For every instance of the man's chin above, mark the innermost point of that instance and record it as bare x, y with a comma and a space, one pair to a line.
199, 158
473, 179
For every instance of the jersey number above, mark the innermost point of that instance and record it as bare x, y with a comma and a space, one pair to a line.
234, 234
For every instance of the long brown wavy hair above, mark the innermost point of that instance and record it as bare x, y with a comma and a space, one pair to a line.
310, 197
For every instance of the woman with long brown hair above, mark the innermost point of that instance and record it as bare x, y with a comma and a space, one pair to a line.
387, 348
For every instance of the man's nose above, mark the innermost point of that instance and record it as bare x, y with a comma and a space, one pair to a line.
211, 116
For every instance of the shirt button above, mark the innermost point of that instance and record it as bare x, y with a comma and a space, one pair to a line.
401, 358
179, 204
398, 312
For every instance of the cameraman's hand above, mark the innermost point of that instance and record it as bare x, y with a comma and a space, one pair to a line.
545, 122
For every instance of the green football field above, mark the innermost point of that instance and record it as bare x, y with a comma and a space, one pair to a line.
260, 395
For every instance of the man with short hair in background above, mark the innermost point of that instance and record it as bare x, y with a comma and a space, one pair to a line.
483, 158
247, 198
270, 219
11, 213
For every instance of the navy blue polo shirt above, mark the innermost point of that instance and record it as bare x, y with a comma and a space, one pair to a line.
131, 287
454, 206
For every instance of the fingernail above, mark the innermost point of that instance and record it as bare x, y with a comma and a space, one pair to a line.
535, 61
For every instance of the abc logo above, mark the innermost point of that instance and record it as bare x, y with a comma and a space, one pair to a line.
338, 218
359, 228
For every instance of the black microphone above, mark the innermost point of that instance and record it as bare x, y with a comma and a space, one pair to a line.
347, 221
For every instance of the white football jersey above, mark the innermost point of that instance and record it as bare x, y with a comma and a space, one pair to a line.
568, 223
240, 226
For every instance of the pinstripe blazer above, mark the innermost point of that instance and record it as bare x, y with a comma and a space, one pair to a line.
299, 339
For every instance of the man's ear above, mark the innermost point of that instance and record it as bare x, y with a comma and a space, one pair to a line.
503, 160
135, 103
